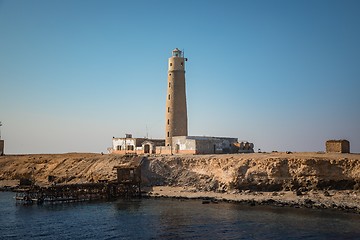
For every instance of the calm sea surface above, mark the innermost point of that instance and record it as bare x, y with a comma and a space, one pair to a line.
170, 219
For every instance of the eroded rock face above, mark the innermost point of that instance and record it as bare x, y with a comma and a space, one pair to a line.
258, 172
271, 172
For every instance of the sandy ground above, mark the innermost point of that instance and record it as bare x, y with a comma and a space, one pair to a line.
9, 183
342, 200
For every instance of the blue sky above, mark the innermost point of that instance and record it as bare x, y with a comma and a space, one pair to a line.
282, 74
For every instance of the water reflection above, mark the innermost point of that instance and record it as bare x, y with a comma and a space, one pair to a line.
177, 218
130, 205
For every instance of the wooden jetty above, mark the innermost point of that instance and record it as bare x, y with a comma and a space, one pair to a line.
127, 185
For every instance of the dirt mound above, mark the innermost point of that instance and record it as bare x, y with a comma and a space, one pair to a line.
69, 168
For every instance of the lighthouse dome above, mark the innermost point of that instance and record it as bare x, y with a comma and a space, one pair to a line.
177, 53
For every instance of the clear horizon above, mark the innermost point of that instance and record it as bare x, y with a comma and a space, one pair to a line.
284, 75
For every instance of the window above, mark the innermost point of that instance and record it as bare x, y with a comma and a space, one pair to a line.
182, 63
169, 74
169, 97
118, 147
169, 85
168, 121
170, 64
168, 134
168, 109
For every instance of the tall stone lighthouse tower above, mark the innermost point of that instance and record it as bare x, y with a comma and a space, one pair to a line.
176, 112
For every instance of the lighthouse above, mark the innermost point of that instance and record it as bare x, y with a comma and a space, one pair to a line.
176, 111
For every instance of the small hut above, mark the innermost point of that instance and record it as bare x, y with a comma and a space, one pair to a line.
129, 177
128, 174
338, 146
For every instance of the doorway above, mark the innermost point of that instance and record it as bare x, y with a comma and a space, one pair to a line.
146, 148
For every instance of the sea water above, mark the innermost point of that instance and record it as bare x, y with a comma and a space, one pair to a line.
170, 219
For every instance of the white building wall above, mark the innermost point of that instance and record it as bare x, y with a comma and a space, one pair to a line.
123, 142
184, 143
203, 145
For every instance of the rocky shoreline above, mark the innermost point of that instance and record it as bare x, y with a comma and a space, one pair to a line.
347, 201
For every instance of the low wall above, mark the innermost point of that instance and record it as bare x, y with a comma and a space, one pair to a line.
163, 150
123, 152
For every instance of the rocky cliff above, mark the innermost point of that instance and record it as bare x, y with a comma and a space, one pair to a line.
220, 173
259, 172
